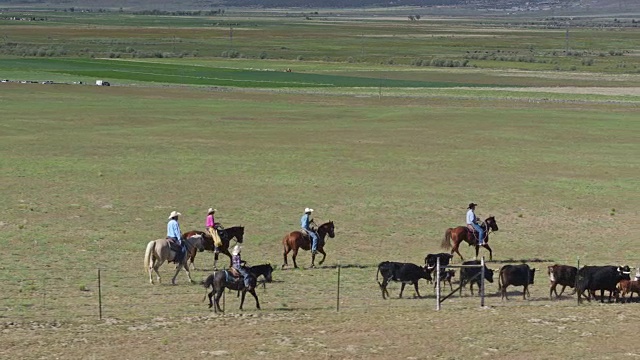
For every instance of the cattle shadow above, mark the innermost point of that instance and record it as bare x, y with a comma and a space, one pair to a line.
522, 261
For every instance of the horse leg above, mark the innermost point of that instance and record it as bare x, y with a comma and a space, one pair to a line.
210, 295
255, 296
293, 256
285, 252
244, 292
155, 267
324, 255
173, 281
313, 259
192, 258
215, 261
186, 268
217, 298
486, 246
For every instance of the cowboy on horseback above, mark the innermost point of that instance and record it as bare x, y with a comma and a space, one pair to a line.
305, 223
237, 262
174, 235
472, 223
212, 228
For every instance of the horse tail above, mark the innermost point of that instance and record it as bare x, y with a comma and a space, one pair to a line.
285, 242
207, 283
446, 241
147, 255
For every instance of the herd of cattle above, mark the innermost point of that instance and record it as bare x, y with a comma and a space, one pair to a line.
585, 281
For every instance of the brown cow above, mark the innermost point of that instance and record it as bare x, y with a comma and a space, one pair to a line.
564, 275
628, 287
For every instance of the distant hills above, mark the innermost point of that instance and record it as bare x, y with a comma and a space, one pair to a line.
628, 7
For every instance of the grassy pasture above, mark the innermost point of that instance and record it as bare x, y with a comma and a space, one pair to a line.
527, 44
392, 153
90, 174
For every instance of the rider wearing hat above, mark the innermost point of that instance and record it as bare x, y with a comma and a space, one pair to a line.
236, 260
174, 235
305, 223
472, 223
211, 228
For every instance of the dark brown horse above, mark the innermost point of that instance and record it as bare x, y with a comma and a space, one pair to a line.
459, 234
297, 240
236, 232
220, 280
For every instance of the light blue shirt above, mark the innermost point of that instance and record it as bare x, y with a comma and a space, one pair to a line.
173, 230
471, 217
304, 221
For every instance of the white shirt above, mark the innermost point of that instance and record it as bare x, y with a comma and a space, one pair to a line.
471, 217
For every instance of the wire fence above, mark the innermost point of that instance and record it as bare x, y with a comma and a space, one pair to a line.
81, 293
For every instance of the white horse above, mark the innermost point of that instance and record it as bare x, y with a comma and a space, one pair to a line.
159, 251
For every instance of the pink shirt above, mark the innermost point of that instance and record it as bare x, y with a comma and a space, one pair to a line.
210, 221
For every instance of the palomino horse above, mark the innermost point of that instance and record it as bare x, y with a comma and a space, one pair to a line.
159, 251
459, 234
220, 280
236, 232
297, 240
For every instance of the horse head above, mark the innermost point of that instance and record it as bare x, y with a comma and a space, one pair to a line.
239, 233
491, 223
329, 228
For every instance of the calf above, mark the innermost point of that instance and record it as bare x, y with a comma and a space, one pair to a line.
603, 278
625, 287
516, 275
564, 275
445, 277
406, 273
472, 275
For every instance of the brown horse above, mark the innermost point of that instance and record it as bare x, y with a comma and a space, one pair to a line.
226, 235
459, 234
297, 240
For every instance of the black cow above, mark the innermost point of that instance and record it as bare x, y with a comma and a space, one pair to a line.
406, 273
593, 278
472, 275
516, 275
432, 260
564, 275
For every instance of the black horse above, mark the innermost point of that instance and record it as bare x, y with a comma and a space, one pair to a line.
220, 280
263, 270
236, 232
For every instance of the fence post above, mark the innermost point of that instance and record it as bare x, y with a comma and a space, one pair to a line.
437, 283
44, 292
576, 284
482, 282
99, 294
338, 292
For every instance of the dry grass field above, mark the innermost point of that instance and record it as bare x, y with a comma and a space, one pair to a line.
90, 174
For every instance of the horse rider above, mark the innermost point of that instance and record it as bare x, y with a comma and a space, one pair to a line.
237, 262
174, 235
212, 228
472, 223
305, 222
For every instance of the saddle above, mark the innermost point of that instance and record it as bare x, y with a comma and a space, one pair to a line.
472, 233
173, 245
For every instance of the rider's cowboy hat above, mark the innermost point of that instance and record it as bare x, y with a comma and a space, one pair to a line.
236, 250
308, 210
211, 210
174, 214
472, 205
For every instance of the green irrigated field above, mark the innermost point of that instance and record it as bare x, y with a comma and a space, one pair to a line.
391, 153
